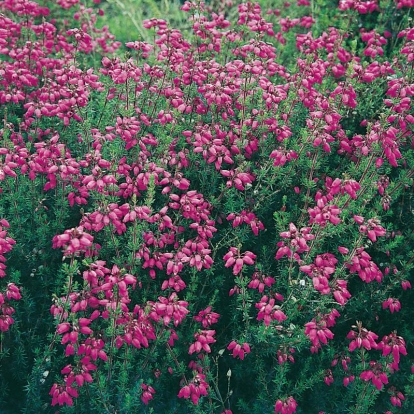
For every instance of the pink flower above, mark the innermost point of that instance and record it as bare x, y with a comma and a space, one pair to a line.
12, 292
392, 304
63, 394
397, 397
203, 338
328, 379
170, 309
260, 281
285, 354
239, 350
362, 338
372, 228
341, 293
324, 213
343, 250
348, 380
318, 333
361, 263
197, 387
395, 345
234, 258
320, 271
268, 311
350, 187
297, 243
281, 156
175, 282
248, 218
358, 219
73, 241
143, 47
376, 375
147, 393
286, 406
206, 317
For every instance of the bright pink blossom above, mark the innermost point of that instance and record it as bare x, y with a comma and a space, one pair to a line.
63, 394
376, 375
394, 305
394, 345
361, 337
248, 218
323, 213
397, 397
195, 389
268, 310
237, 260
203, 339
318, 333
206, 317
296, 244
286, 406
147, 393
260, 281
239, 350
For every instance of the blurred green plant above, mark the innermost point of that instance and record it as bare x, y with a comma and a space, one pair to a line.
125, 17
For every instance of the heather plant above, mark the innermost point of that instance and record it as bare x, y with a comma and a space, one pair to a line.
219, 220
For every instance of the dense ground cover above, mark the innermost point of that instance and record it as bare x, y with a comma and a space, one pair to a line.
214, 217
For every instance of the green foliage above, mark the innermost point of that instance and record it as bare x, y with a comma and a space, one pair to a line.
125, 17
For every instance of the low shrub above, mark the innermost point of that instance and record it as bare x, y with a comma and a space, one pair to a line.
220, 222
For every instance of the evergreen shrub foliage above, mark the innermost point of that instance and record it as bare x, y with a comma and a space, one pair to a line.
219, 221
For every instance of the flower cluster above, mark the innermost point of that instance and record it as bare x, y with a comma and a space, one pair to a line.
12, 291
287, 406
203, 339
362, 338
297, 243
318, 330
320, 271
375, 374
239, 350
206, 317
268, 310
196, 388
147, 393
237, 260
248, 218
